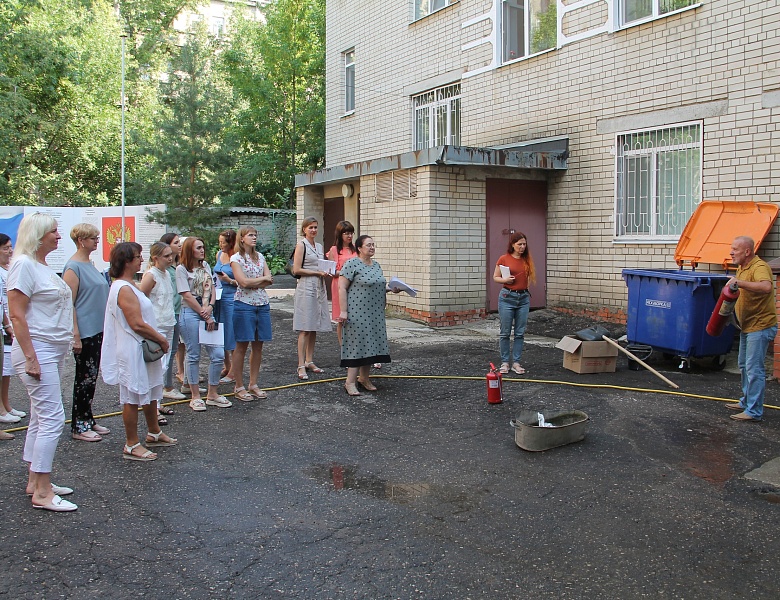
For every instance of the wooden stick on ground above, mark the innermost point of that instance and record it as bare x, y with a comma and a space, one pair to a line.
641, 362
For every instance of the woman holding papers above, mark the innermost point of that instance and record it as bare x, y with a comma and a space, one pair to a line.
251, 312
310, 314
514, 270
129, 320
362, 289
194, 284
340, 252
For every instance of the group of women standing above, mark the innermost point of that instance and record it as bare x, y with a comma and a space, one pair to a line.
107, 328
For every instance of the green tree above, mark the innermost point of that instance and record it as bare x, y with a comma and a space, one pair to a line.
277, 71
54, 101
189, 160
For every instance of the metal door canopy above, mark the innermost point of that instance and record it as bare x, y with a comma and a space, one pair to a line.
708, 235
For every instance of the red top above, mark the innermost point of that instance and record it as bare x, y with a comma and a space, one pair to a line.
517, 267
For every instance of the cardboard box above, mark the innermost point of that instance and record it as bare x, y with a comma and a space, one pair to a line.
587, 357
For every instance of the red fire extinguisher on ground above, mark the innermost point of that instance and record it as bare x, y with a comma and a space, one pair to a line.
494, 386
723, 310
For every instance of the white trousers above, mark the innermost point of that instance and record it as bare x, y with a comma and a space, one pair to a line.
47, 416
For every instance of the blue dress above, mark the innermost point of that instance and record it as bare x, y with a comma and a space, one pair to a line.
225, 304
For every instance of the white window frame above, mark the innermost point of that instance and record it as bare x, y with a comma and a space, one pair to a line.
653, 235
620, 13
348, 60
423, 8
527, 30
429, 105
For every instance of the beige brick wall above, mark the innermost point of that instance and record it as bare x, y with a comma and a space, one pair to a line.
723, 51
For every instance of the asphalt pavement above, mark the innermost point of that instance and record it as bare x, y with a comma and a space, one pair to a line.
417, 490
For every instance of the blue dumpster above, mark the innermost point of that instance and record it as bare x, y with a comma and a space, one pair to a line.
669, 310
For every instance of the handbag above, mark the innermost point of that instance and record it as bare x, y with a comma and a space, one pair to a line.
152, 351
290, 262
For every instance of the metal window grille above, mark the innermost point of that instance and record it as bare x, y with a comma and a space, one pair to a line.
437, 117
658, 181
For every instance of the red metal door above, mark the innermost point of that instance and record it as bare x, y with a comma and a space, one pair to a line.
516, 206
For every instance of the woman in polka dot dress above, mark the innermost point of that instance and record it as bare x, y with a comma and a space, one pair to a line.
362, 289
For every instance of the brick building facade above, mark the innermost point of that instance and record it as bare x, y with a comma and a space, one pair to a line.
629, 112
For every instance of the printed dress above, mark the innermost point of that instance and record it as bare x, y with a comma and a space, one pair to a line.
365, 332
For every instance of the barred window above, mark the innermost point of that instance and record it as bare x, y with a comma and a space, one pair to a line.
658, 183
437, 117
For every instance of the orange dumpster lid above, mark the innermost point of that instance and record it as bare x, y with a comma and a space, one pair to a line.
708, 235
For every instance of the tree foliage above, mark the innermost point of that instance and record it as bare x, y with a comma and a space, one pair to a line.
277, 71
210, 123
190, 158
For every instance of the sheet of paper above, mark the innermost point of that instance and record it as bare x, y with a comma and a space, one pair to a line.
504, 271
211, 338
329, 266
396, 285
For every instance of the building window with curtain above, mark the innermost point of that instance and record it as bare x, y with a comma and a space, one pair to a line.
437, 117
349, 81
658, 181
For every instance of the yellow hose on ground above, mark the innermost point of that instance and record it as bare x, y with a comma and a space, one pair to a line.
602, 386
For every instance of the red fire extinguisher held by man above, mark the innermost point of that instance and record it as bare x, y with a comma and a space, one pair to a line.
494, 386
723, 310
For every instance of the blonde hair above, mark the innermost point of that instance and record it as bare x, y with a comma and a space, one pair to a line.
83, 231
240, 247
31, 231
156, 250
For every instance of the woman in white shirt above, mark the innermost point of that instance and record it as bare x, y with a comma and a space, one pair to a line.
41, 308
156, 284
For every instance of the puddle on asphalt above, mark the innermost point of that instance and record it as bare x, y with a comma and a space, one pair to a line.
345, 477
708, 454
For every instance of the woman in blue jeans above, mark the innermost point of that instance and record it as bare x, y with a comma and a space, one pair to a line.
196, 287
514, 300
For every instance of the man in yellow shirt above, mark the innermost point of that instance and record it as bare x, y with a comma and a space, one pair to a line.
757, 317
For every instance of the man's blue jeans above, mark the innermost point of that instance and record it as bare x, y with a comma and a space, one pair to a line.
512, 310
752, 354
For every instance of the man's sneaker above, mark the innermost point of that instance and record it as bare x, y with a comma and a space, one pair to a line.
219, 401
173, 395
197, 405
